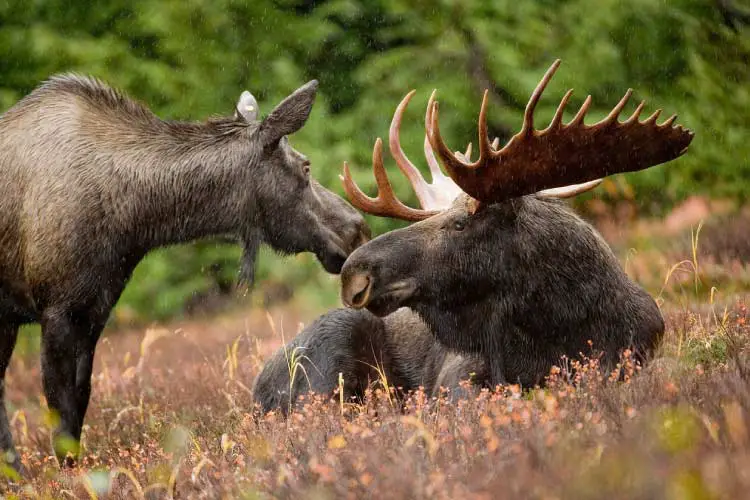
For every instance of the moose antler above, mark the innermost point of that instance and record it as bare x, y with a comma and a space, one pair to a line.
561, 154
385, 204
433, 197
440, 194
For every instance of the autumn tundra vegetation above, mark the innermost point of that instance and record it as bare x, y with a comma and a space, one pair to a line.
630, 264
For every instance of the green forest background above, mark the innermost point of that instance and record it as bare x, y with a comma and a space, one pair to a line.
189, 59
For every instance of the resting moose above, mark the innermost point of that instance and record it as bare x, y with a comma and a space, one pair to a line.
502, 272
357, 345
92, 181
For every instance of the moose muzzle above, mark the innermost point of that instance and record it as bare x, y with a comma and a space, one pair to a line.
355, 290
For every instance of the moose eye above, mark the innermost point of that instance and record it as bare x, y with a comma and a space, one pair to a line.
459, 225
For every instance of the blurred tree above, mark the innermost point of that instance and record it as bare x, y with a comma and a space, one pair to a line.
189, 59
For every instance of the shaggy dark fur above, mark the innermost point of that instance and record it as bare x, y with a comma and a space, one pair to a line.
520, 283
353, 343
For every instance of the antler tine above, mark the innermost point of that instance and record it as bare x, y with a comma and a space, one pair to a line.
669, 121
385, 204
485, 149
429, 154
443, 187
578, 118
558, 118
528, 115
464, 156
451, 163
636, 113
569, 191
437, 173
653, 117
612, 116
420, 186
467, 154
575, 155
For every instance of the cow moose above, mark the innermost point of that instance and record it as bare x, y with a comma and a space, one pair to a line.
93, 180
499, 278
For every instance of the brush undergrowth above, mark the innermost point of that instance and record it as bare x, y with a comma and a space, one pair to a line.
172, 417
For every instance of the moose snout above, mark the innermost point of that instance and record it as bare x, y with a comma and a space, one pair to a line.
355, 289
338, 246
333, 258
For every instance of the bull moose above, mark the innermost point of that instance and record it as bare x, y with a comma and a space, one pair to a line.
497, 267
93, 180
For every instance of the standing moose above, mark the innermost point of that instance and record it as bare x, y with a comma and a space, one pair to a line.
499, 279
92, 181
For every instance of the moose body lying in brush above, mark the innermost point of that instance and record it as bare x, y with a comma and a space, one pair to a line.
398, 349
92, 181
498, 269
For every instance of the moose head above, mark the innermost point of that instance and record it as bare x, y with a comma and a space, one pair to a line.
293, 212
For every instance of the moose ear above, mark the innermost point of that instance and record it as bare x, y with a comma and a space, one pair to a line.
247, 107
291, 113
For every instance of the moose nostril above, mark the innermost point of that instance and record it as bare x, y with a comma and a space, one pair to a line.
356, 291
360, 297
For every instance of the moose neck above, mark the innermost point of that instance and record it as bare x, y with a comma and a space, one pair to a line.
171, 194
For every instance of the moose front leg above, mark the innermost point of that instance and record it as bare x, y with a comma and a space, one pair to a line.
8, 335
61, 336
86, 348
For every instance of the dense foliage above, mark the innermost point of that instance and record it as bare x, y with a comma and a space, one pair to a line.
191, 58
